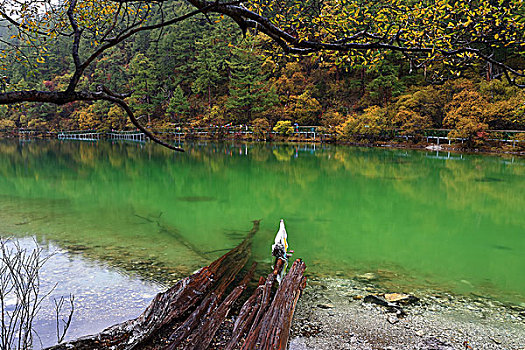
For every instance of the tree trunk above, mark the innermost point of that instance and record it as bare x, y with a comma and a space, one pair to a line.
189, 314
271, 332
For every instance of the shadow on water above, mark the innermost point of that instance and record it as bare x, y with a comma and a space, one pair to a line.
489, 179
502, 247
197, 199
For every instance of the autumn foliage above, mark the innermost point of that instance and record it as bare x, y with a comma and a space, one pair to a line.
364, 71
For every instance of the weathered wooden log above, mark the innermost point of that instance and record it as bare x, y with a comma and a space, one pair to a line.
184, 330
246, 315
189, 315
273, 329
265, 300
224, 270
170, 307
205, 310
201, 338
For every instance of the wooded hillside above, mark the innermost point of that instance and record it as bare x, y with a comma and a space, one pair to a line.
204, 71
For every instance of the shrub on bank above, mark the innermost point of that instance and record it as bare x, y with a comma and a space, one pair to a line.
283, 127
370, 125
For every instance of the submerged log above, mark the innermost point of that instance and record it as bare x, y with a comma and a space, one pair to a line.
189, 314
174, 233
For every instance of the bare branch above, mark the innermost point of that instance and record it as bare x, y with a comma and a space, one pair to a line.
20, 294
59, 305
135, 122
62, 97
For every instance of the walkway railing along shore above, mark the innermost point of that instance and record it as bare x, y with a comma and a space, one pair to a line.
246, 132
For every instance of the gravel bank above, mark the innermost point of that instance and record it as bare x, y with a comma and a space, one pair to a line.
331, 314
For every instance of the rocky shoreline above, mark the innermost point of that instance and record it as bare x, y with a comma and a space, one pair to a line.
333, 314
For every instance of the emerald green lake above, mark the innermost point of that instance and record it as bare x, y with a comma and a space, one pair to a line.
415, 219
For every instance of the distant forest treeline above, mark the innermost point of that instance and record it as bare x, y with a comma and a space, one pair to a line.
203, 73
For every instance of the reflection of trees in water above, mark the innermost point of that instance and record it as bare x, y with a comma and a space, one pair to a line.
413, 176
259, 154
283, 154
474, 185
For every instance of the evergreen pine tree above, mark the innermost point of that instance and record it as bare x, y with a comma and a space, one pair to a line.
145, 86
178, 107
249, 91
210, 63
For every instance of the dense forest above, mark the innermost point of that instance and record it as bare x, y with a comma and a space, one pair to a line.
205, 72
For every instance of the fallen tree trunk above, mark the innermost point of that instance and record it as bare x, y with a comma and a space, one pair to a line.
273, 329
246, 315
189, 314
202, 337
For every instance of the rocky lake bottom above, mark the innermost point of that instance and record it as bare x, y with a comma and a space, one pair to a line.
336, 314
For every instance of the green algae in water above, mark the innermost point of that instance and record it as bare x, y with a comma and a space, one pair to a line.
416, 219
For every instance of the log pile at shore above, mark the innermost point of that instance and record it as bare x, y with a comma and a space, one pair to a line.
195, 313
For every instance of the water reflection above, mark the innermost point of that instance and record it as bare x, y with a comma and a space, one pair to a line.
426, 218
102, 296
